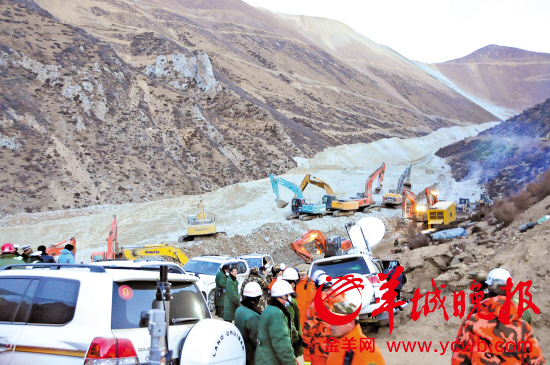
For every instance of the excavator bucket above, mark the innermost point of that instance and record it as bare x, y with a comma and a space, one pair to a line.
377, 190
281, 204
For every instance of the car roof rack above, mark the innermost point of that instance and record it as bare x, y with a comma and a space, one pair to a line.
93, 268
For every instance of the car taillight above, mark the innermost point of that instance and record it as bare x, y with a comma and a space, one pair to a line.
111, 351
376, 300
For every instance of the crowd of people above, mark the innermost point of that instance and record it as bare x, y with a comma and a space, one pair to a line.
11, 256
278, 320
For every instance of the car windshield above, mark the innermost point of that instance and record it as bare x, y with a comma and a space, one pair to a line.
343, 266
202, 267
131, 298
253, 261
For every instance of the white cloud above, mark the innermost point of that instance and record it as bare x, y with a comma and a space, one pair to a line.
434, 30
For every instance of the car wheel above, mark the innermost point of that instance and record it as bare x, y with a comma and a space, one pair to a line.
211, 298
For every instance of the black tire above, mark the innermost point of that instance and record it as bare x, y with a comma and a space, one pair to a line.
210, 301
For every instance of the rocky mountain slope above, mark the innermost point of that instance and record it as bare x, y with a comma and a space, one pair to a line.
507, 156
506, 76
118, 101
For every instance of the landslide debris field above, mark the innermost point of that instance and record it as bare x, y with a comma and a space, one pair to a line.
248, 213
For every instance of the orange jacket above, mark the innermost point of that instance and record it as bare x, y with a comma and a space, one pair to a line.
305, 291
361, 354
316, 332
480, 341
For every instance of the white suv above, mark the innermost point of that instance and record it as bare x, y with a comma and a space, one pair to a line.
258, 260
363, 265
66, 314
206, 267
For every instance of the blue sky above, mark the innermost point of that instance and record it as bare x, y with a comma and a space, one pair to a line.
434, 30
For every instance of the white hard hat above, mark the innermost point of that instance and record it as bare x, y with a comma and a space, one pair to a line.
497, 276
252, 290
281, 288
290, 274
282, 266
322, 279
316, 275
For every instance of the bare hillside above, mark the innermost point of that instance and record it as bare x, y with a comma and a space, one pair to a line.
506, 76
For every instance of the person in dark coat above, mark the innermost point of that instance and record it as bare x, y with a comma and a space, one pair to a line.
402, 280
247, 319
231, 301
67, 255
45, 257
219, 299
274, 344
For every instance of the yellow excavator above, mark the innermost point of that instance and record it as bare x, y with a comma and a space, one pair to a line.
547, 138
163, 252
341, 208
200, 224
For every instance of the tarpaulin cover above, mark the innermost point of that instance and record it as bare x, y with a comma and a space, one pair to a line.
449, 233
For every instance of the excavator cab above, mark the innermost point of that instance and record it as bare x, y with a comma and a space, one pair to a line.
334, 246
297, 205
328, 199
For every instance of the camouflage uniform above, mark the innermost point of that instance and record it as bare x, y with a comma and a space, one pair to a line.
494, 334
316, 332
254, 276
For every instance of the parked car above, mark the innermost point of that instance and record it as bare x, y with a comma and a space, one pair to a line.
364, 266
258, 259
67, 314
206, 267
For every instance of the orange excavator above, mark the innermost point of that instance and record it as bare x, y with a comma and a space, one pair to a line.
55, 250
431, 200
365, 199
112, 245
409, 204
331, 246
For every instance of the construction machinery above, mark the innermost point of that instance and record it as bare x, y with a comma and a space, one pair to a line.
340, 208
55, 250
441, 214
483, 200
162, 251
331, 246
112, 245
547, 138
409, 205
200, 224
431, 200
395, 197
463, 205
365, 199
299, 208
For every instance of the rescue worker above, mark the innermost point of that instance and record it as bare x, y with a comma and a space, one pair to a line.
316, 331
10, 256
402, 279
275, 269
45, 257
27, 251
305, 292
274, 345
396, 242
231, 301
219, 300
247, 319
494, 335
352, 334
254, 277
290, 275
67, 255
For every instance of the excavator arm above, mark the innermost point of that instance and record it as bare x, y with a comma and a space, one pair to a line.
431, 197
112, 245
312, 235
411, 198
162, 251
55, 250
377, 174
276, 181
308, 179
404, 179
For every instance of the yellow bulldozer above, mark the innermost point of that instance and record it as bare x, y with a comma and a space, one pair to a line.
200, 225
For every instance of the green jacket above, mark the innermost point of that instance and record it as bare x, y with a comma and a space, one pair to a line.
231, 301
274, 346
11, 259
248, 321
296, 328
220, 288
